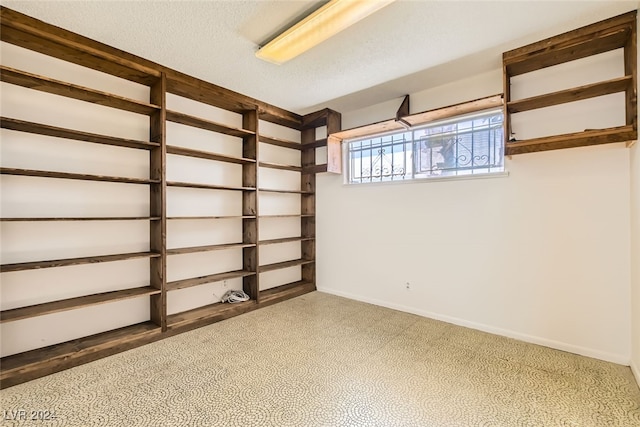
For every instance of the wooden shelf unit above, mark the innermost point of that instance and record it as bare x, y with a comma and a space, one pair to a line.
615, 33
31, 34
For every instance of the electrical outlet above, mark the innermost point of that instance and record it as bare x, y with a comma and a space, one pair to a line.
408, 285
224, 283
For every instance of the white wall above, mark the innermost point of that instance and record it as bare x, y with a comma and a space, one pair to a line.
635, 258
541, 255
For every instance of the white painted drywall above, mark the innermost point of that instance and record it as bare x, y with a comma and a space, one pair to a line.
635, 259
540, 255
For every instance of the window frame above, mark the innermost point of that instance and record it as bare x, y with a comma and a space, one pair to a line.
414, 141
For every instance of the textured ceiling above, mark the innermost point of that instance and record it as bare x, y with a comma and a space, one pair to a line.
405, 47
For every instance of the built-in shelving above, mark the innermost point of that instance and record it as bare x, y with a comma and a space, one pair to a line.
593, 90
210, 278
185, 119
207, 248
33, 265
181, 151
615, 33
577, 139
75, 176
22, 367
278, 166
113, 218
208, 313
274, 190
280, 142
284, 292
212, 217
42, 129
57, 87
284, 240
288, 216
73, 303
285, 264
38, 36
208, 186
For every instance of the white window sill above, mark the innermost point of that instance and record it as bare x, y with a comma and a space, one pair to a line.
491, 175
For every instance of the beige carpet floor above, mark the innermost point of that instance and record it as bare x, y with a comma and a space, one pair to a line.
321, 360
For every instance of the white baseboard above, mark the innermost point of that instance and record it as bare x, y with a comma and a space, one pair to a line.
583, 351
636, 372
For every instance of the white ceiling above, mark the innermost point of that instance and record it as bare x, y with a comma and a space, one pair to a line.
407, 46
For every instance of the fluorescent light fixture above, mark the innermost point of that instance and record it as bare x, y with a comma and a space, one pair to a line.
325, 22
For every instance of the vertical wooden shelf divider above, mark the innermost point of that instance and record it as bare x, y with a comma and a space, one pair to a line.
250, 261
308, 206
158, 203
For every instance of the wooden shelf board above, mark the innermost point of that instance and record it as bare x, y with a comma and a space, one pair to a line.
56, 87
314, 169
282, 167
288, 216
208, 186
6, 268
76, 176
570, 95
281, 142
578, 139
42, 129
193, 249
284, 240
564, 48
73, 303
486, 103
372, 129
319, 143
181, 151
209, 313
115, 218
22, 367
285, 264
213, 217
185, 119
272, 190
195, 281
284, 292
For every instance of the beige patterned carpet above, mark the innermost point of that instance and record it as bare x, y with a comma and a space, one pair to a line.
321, 360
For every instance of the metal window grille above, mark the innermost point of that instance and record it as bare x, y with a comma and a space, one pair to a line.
461, 146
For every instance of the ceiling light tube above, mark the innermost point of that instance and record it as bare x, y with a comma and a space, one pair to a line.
325, 22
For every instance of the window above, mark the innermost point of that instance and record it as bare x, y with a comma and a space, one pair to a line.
472, 144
